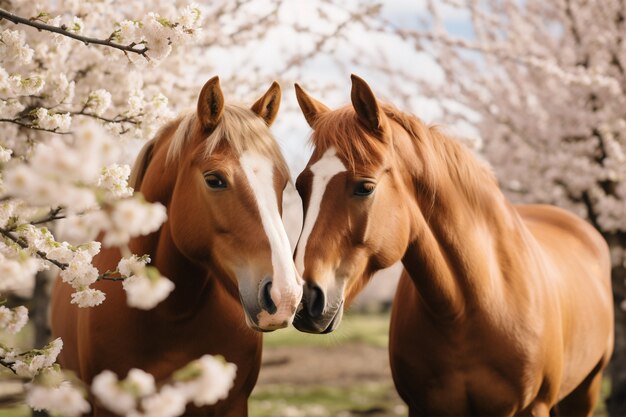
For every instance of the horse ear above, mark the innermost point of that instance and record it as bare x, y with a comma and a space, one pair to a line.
141, 165
210, 104
267, 106
311, 108
366, 105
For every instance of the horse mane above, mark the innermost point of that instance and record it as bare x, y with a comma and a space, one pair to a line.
239, 128
441, 153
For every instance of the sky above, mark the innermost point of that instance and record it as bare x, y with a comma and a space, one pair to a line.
333, 66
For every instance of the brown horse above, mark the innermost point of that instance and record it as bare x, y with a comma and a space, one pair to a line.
501, 310
221, 176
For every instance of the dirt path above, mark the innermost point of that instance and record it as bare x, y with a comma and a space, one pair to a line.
341, 365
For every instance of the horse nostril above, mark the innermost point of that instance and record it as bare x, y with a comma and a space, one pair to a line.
316, 301
265, 297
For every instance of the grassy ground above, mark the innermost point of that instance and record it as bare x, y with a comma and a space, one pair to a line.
345, 388
371, 329
343, 374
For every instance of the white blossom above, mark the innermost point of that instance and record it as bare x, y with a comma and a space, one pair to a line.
28, 365
133, 217
80, 272
98, 101
108, 390
214, 380
114, 179
132, 265
146, 292
13, 47
26, 86
18, 275
88, 297
141, 382
52, 121
13, 320
5, 154
168, 402
63, 400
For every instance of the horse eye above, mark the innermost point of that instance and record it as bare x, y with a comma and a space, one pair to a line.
364, 188
215, 181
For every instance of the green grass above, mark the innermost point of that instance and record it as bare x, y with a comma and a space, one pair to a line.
371, 329
17, 411
320, 401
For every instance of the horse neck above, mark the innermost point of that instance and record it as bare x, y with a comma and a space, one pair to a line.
463, 231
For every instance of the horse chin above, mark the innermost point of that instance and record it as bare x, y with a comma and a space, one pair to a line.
306, 325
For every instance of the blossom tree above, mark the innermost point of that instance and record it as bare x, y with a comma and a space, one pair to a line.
82, 86
542, 82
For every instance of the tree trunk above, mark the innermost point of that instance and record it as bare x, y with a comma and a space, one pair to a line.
616, 402
39, 309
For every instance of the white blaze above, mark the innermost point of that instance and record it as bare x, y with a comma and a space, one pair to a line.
323, 171
286, 286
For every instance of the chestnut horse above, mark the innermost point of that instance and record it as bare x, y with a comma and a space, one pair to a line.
221, 176
501, 309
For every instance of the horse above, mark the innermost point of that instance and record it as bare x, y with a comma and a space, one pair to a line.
220, 174
501, 309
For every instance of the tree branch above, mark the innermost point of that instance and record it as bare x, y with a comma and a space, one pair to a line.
33, 127
24, 245
84, 39
116, 119
107, 276
8, 366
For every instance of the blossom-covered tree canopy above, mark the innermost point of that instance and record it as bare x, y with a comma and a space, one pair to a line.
83, 84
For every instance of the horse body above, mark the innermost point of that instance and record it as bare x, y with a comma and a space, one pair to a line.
501, 309
218, 246
520, 344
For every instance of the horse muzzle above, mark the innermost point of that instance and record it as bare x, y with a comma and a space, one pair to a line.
315, 315
270, 308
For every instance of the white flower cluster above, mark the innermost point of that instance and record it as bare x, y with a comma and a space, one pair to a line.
13, 320
158, 33
14, 48
114, 180
17, 271
203, 382
52, 121
144, 286
98, 101
29, 364
62, 175
133, 217
62, 400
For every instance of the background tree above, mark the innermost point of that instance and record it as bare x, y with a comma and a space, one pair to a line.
82, 85
543, 85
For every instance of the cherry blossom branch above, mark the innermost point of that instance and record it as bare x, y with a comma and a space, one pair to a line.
24, 245
8, 366
33, 127
116, 119
107, 276
84, 39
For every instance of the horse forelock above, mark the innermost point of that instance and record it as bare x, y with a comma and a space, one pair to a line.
239, 128
353, 144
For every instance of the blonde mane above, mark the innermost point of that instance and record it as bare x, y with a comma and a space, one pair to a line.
239, 127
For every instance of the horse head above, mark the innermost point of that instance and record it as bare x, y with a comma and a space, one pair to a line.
355, 220
222, 177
